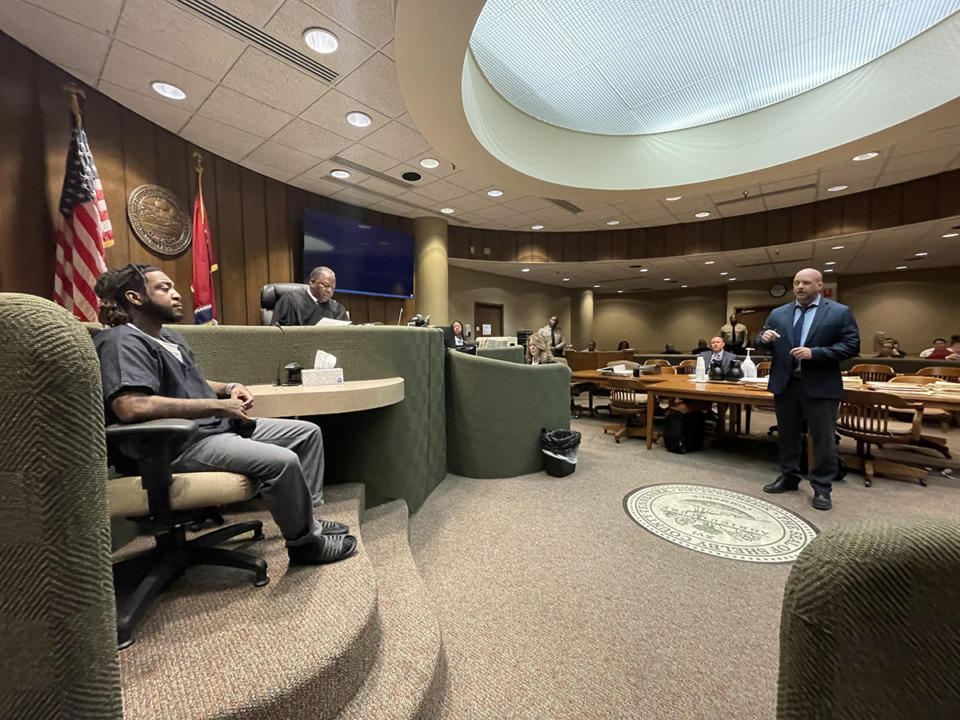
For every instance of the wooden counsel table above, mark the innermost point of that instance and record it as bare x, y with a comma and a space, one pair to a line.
277, 401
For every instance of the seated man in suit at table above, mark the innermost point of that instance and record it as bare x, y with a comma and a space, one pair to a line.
717, 352
148, 372
310, 305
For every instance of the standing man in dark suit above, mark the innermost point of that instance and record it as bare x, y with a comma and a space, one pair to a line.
717, 352
808, 339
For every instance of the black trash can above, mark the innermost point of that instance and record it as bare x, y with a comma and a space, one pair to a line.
559, 451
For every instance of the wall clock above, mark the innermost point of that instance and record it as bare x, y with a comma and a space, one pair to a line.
778, 290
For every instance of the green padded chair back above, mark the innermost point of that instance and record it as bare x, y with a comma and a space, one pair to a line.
57, 612
870, 625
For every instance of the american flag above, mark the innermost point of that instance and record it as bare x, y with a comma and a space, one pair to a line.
83, 231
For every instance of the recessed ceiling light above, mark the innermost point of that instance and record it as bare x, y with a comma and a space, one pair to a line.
730, 279
644, 269
613, 222
666, 279
619, 291
921, 254
702, 214
865, 156
358, 119
724, 273
566, 279
429, 163
168, 90
341, 174
596, 286
901, 267
950, 234
709, 262
525, 270
837, 188
536, 227
495, 193
447, 211
674, 198
320, 40
683, 286
829, 270
837, 247
832, 262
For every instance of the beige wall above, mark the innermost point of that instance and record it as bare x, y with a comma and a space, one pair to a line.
526, 305
912, 306
650, 320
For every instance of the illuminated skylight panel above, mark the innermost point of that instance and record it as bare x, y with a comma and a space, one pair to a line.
623, 67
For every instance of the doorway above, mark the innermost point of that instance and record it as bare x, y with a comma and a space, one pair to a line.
753, 318
488, 320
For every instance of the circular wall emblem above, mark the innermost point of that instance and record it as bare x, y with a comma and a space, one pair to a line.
158, 220
720, 522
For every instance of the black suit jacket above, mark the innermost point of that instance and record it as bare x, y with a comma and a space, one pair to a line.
725, 358
833, 337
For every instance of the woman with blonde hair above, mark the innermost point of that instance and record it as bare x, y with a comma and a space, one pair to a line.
538, 350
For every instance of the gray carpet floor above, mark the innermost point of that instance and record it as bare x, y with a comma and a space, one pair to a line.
554, 603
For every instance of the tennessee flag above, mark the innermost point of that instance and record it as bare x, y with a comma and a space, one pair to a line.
204, 264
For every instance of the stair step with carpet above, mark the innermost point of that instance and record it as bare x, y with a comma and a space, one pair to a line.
408, 678
215, 646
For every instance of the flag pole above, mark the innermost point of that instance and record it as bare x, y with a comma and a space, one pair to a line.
75, 92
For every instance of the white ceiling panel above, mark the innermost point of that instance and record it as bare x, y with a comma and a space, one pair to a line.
371, 20
742, 207
368, 158
375, 84
178, 36
928, 141
100, 15
794, 251
215, 136
164, 114
309, 138
75, 47
268, 170
788, 183
274, 82
382, 186
254, 12
244, 113
795, 197
331, 110
314, 185
934, 160
397, 141
135, 70
282, 157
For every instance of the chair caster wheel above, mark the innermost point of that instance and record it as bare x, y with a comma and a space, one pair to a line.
257, 536
923, 482
260, 582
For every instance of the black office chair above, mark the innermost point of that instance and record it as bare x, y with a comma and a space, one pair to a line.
269, 296
167, 505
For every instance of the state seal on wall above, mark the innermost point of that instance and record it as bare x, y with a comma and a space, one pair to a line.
158, 220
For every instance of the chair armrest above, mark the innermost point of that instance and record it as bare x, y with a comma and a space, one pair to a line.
152, 429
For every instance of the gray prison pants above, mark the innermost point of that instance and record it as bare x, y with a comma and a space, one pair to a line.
284, 456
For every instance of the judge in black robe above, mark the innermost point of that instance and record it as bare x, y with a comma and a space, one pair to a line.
308, 307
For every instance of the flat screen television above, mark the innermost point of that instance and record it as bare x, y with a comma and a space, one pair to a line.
366, 259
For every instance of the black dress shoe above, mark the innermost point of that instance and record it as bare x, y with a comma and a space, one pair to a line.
822, 501
782, 484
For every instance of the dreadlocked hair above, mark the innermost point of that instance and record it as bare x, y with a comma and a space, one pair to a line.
112, 287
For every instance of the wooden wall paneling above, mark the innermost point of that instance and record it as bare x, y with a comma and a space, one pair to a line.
255, 252
948, 194
554, 248
587, 242
140, 168
105, 132
669, 240
603, 245
376, 309
211, 205
525, 246
755, 230
393, 306
297, 199
654, 240
692, 240
619, 245
508, 246
456, 242
885, 206
231, 260
279, 255
492, 241
637, 242
801, 223
919, 200
571, 247
856, 213
538, 247
27, 233
829, 218
778, 226
732, 228
173, 173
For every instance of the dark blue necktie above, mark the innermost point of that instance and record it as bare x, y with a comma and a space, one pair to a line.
798, 331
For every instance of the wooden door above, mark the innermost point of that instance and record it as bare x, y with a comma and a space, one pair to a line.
754, 318
487, 317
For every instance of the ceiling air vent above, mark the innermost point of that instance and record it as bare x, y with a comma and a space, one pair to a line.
336, 159
565, 205
260, 38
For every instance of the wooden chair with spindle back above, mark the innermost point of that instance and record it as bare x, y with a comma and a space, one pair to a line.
628, 397
658, 361
687, 367
872, 373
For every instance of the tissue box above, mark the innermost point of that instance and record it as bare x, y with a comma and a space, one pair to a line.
328, 376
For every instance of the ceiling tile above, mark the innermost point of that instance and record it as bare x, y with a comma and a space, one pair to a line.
307, 137
254, 12
792, 252
744, 207
273, 81
75, 47
321, 171
320, 187
100, 15
216, 136
83, 77
180, 37
166, 115
551, 212
372, 20
386, 206
789, 183
408, 121
738, 194
948, 137
293, 17
397, 141
924, 163
272, 172
135, 70
795, 197
382, 186
494, 212
375, 83
368, 158
529, 203
389, 50
468, 180
282, 157
444, 169
244, 113
352, 196
331, 110
472, 201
